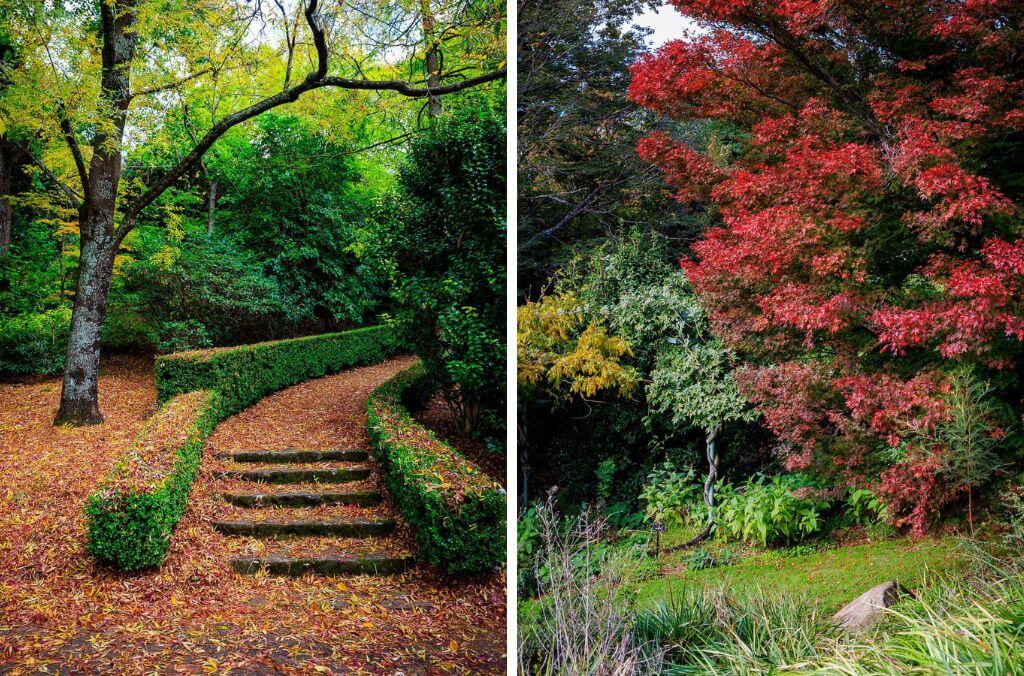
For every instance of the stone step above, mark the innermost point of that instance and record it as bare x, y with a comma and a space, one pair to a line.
297, 475
296, 456
303, 499
327, 565
346, 528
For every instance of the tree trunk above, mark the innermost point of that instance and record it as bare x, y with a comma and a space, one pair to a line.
79, 402
211, 206
433, 80
709, 487
432, 61
470, 416
7, 161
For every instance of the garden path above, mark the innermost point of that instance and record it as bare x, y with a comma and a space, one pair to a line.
294, 488
59, 610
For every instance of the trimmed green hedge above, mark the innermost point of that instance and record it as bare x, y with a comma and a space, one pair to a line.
247, 373
133, 513
455, 509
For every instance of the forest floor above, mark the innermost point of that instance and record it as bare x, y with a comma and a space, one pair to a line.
59, 610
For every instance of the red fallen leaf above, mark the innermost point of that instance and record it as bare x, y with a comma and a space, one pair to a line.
58, 608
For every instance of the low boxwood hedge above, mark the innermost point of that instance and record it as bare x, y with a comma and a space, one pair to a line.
455, 509
247, 373
133, 513
131, 517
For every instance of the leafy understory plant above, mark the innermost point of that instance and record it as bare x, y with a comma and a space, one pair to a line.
669, 495
702, 559
865, 508
769, 511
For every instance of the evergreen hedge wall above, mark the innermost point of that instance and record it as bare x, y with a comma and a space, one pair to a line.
132, 515
455, 509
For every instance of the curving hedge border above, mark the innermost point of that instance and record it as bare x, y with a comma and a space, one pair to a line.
131, 516
247, 373
455, 509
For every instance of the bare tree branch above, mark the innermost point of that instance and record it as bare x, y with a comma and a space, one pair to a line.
171, 85
69, 136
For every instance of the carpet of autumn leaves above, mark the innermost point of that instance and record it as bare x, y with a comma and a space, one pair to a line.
58, 609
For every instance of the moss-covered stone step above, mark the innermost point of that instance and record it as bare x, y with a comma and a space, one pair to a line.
346, 528
336, 564
298, 475
303, 499
296, 456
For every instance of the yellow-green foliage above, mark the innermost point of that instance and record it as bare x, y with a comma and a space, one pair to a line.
560, 349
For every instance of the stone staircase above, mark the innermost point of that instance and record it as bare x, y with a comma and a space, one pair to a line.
293, 512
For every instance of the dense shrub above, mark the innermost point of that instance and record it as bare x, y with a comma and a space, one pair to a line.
132, 515
617, 361
456, 511
246, 373
34, 343
772, 511
180, 288
298, 197
448, 246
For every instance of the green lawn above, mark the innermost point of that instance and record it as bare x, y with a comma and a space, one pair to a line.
831, 576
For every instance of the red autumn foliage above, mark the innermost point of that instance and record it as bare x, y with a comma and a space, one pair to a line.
869, 220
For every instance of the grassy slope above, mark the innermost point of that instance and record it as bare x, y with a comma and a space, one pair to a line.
832, 576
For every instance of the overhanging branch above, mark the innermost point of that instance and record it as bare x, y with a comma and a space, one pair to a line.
316, 79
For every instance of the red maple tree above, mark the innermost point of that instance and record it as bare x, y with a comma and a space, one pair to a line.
868, 236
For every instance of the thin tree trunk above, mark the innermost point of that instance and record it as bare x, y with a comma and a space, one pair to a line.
709, 490
523, 456
211, 206
79, 403
432, 61
7, 161
433, 80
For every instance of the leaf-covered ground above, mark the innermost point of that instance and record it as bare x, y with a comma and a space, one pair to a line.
58, 609
436, 416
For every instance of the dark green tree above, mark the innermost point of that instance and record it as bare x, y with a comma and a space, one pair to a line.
579, 176
448, 247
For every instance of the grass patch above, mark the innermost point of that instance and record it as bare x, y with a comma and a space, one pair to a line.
830, 577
